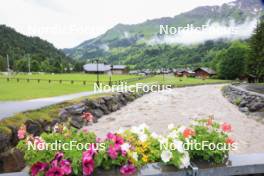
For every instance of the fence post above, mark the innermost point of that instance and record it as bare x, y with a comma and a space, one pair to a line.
17, 79
60, 81
72, 81
110, 81
28, 80
38, 80
49, 81
84, 82
7, 79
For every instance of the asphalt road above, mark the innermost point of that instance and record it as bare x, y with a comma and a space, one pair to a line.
10, 108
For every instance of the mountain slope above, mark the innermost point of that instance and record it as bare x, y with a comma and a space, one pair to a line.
44, 56
124, 36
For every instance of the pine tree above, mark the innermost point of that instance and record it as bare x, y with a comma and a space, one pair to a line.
255, 63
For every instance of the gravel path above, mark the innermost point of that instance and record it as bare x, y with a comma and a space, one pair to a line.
179, 106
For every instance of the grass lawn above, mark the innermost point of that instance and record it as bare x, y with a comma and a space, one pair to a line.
24, 90
182, 81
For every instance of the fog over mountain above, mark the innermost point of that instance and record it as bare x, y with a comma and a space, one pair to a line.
234, 20
212, 31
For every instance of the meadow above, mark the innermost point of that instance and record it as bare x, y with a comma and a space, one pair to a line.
25, 90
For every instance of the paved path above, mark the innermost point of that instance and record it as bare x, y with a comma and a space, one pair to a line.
9, 108
179, 106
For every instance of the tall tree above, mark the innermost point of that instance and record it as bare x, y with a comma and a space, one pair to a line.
232, 63
255, 63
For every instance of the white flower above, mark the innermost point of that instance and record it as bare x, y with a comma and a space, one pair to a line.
142, 137
135, 156
120, 130
171, 126
135, 130
56, 128
125, 147
181, 129
173, 134
194, 123
163, 140
143, 126
166, 156
178, 145
154, 135
185, 161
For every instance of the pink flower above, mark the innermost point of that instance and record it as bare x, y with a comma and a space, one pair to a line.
55, 171
230, 140
59, 156
39, 143
37, 168
111, 137
115, 138
226, 127
85, 130
119, 140
128, 169
124, 153
112, 152
66, 167
87, 163
98, 140
21, 134
88, 116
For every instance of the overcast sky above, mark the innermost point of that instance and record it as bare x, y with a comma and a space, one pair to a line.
67, 23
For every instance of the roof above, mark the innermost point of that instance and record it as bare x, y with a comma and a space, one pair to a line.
119, 67
93, 67
181, 70
206, 69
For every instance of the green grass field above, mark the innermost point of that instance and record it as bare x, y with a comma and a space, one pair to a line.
181, 81
24, 90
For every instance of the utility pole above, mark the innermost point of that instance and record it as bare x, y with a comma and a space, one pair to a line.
28, 64
7, 62
97, 71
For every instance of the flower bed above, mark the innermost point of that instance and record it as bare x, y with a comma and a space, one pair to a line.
126, 149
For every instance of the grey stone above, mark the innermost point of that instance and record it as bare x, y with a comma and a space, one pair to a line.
63, 115
12, 161
243, 103
98, 113
243, 109
33, 127
77, 122
4, 142
255, 106
104, 108
76, 109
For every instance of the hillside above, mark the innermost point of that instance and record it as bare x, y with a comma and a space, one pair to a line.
44, 56
122, 37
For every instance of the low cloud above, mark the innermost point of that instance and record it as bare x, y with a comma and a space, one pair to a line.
213, 31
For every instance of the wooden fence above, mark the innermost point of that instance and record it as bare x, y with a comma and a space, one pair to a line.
84, 82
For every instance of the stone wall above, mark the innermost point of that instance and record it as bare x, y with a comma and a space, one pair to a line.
247, 101
11, 160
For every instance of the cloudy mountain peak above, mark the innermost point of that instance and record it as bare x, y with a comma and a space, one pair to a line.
239, 14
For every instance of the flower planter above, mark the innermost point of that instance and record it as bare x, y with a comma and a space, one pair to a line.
236, 165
